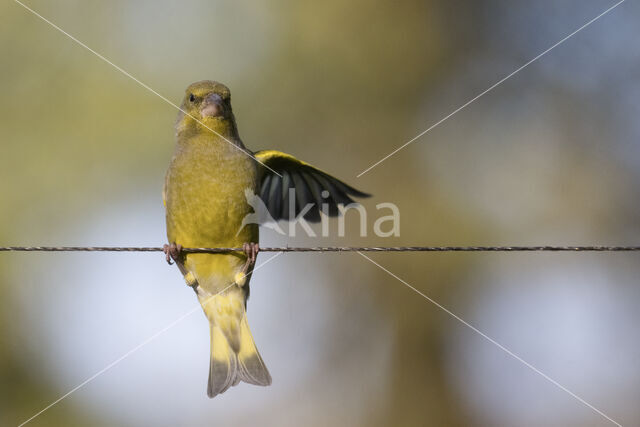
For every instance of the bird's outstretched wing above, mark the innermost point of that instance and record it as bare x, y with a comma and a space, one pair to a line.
311, 187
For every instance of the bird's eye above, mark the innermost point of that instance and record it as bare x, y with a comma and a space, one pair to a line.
192, 98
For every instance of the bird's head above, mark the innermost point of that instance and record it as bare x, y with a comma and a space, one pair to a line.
206, 107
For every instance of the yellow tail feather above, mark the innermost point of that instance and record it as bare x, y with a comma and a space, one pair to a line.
228, 367
252, 368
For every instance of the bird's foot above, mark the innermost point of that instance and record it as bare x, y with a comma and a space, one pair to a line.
173, 252
251, 251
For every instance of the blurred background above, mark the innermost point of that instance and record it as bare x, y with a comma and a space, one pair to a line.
549, 157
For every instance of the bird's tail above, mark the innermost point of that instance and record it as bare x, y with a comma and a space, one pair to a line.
234, 358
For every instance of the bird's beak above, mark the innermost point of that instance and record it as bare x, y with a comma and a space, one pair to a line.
212, 106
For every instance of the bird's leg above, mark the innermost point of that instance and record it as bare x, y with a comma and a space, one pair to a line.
174, 252
251, 251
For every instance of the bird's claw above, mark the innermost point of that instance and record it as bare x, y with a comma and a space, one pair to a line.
172, 252
251, 251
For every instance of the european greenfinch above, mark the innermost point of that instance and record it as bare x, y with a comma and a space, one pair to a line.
206, 202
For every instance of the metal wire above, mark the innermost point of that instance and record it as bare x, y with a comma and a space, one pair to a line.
331, 249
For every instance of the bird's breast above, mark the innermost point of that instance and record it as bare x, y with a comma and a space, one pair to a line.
205, 195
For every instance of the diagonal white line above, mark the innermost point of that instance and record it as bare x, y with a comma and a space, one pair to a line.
112, 364
494, 342
490, 88
147, 87
138, 347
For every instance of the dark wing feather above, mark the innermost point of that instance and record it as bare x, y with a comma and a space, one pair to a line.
273, 199
304, 197
284, 209
266, 186
308, 182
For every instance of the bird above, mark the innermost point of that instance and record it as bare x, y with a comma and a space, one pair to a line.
205, 197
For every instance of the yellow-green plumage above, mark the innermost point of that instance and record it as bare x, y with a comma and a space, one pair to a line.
205, 197
205, 202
